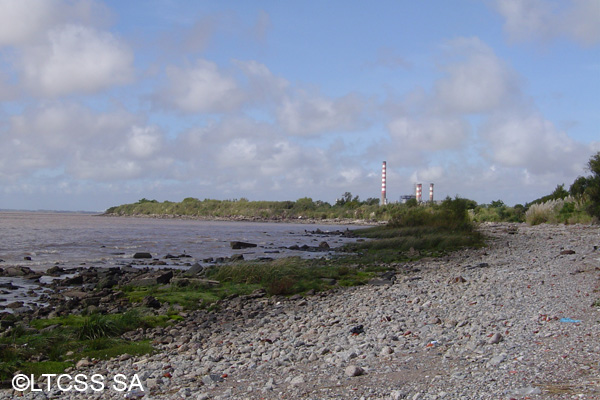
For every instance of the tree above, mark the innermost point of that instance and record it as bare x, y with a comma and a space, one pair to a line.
593, 188
579, 186
559, 193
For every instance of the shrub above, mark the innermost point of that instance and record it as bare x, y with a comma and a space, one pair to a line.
545, 212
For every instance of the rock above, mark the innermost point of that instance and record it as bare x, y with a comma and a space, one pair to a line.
324, 245
153, 278
353, 370
15, 304
458, 279
567, 252
151, 302
83, 363
241, 245
194, 270
56, 271
236, 257
142, 255
76, 280
194, 281
299, 380
357, 330
18, 271
380, 282
495, 338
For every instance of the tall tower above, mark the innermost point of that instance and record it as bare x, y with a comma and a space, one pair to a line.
383, 191
431, 192
419, 192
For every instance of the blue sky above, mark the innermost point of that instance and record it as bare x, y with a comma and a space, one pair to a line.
103, 103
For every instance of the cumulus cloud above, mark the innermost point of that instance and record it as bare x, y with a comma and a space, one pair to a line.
27, 21
532, 143
545, 20
478, 81
77, 59
312, 114
261, 84
79, 143
201, 87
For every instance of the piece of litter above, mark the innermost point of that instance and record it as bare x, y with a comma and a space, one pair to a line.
570, 320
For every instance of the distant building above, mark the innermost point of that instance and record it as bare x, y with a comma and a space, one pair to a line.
407, 197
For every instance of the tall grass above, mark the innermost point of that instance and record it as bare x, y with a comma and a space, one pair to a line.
567, 210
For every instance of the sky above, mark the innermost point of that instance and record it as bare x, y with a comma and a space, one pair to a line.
106, 102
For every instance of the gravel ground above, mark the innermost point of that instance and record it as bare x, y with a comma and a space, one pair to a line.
515, 320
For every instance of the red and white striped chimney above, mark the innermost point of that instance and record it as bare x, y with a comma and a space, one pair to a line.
383, 191
419, 192
431, 192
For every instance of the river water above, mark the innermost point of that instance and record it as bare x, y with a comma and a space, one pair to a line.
41, 240
73, 239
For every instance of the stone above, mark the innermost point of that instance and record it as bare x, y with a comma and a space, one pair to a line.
194, 270
353, 370
151, 302
152, 278
495, 338
84, 363
236, 245
142, 255
299, 380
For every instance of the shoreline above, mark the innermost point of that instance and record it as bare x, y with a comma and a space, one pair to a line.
476, 324
241, 218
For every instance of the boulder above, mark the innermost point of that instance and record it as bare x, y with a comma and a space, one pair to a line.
194, 270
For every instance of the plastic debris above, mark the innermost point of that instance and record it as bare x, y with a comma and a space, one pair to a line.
570, 320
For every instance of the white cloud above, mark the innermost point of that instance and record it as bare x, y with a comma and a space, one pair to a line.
263, 85
81, 144
478, 82
312, 114
545, 20
533, 143
143, 142
201, 87
414, 141
77, 59
27, 21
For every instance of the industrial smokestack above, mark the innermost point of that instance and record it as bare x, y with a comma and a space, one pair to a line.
431, 192
419, 192
383, 191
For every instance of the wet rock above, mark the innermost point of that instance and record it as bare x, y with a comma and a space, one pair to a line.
18, 271
236, 245
142, 255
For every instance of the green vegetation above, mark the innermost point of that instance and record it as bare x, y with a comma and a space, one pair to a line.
50, 345
421, 231
347, 207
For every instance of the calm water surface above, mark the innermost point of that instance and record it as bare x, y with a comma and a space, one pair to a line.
71, 239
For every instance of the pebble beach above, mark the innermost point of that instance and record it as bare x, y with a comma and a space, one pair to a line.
518, 319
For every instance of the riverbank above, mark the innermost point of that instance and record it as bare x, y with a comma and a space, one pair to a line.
518, 319
254, 218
